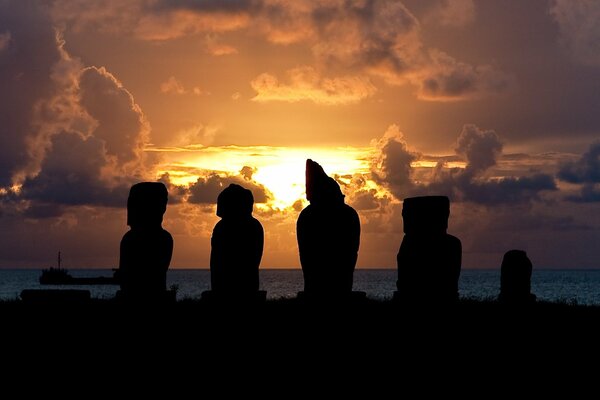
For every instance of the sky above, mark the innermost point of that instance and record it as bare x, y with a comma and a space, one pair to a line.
492, 103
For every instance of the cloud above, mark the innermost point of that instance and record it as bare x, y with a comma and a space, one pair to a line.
508, 190
172, 86
71, 174
579, 29
443, 78
584, 171
380, 38
25, 78
155, 20
198, 134
361, 193
589, 193
367, 34
284, 22
121, 124
480, 148
236, 96
206, 189
173, 24
383, 38
305, 83
96, 158
453, 13
392, 167
71, 135
215, 48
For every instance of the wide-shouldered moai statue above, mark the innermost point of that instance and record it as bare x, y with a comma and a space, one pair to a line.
429, 259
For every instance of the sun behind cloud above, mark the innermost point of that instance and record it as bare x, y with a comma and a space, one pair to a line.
279, 169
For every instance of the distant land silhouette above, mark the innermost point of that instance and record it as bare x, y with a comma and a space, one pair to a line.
146, 249
515, 278
328, 233
429, 259
236, 244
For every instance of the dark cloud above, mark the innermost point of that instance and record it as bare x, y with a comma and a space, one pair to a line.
69, 135
392, 167
445, 78
177, 193
121, 125
365, 200
28, 53
71, 174
584, 170
590, 193
206, 5
206, 190
247, 172
480, 149
43, 211
510, 190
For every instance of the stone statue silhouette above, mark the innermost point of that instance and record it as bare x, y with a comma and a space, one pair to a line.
146, 249
429, 259
236, 244
328, 232
515, 278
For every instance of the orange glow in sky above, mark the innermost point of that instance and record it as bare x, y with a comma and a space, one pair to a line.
279, 169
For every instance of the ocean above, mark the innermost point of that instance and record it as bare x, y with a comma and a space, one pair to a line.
576, 286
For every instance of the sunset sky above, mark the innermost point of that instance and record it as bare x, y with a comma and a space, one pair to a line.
493, 103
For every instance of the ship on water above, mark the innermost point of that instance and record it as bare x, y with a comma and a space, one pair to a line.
61, 276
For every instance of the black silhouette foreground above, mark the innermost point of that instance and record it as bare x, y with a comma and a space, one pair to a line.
146, 249
328, 233
236, 247
515, 278
429, 260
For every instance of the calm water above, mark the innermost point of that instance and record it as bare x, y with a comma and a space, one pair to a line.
582, 286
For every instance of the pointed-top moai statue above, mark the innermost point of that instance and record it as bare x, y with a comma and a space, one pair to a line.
328, 232
146, 249
429, 259
515, 278
236, 245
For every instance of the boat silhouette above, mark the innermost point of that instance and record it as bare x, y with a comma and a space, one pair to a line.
61, 276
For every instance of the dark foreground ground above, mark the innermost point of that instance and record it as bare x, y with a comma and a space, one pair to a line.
291, 347
291, 319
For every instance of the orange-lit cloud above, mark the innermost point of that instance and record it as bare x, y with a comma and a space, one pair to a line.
178, 23
305, 83
214, 47
380, 37
198, 134
174, 86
